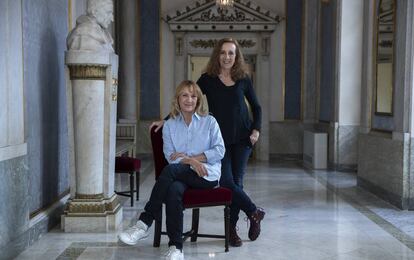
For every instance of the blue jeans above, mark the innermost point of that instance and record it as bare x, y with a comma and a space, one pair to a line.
169, 188
233, 167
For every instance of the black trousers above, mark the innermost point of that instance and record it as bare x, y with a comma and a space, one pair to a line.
169, 188
233, 167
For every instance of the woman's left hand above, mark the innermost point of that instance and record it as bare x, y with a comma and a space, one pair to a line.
177, 155
254, 136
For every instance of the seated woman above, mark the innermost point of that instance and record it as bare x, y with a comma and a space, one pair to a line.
194, 147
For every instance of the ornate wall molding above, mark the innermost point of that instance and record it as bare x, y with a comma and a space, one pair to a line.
87, 72
223, 16
86, 208
206, 16
92, 206
90, 196
114, 89
201, 43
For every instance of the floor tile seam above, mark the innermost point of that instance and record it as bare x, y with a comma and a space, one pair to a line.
371, 215
80, 247
66, 254
350, 254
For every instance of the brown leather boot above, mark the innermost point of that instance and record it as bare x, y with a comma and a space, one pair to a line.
255, 218
234, 239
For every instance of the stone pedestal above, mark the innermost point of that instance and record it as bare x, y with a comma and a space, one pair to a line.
91, 100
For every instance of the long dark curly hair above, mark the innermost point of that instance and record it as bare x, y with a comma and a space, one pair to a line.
239, 69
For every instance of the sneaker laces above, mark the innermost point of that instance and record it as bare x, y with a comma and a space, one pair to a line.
132, 231
135, 230
171, 250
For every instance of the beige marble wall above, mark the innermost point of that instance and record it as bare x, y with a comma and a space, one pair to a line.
385, 159
382, 167
348, 145
286, 138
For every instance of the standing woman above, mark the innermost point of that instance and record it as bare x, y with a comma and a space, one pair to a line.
226, 85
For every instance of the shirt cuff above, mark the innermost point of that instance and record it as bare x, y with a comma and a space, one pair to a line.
209, 156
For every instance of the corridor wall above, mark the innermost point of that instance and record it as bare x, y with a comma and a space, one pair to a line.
32, 183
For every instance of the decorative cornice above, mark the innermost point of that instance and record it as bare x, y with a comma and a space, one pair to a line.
89, 196
223, 16
83, 206
87, 72
86, 208
112, 205
206, 16
212, 42
247, 5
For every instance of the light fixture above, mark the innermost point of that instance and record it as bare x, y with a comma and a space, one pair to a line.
224, 4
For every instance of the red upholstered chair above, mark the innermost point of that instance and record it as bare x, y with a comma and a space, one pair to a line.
131, 166
193, 199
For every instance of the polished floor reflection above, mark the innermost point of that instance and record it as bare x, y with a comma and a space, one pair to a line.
309, 215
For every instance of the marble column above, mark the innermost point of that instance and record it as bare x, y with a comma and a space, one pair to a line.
367, 74
349, 49
92, 97
310, 61
127, 48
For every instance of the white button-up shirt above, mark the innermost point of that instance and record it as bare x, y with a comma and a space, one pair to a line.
201, 136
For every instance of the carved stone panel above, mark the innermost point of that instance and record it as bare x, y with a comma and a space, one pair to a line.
243, 16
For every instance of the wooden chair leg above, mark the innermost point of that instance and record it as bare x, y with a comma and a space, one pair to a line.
194, 225
226, 227
157, 233
137, 183
131, 186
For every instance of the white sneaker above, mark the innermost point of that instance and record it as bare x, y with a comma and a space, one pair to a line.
132, 235
174, 254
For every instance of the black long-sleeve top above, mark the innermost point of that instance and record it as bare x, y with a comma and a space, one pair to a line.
227, 104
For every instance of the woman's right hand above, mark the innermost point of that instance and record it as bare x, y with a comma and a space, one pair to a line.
158, 125
198, 167
195, 165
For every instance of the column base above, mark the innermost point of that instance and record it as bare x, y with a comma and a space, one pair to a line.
91, 215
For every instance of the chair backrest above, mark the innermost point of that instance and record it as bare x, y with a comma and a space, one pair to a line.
157, 150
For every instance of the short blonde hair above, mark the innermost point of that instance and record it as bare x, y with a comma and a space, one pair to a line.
193, 87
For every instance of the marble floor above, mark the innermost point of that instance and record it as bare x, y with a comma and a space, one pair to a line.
309, 215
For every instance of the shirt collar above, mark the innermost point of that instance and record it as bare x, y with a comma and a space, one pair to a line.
195, 116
